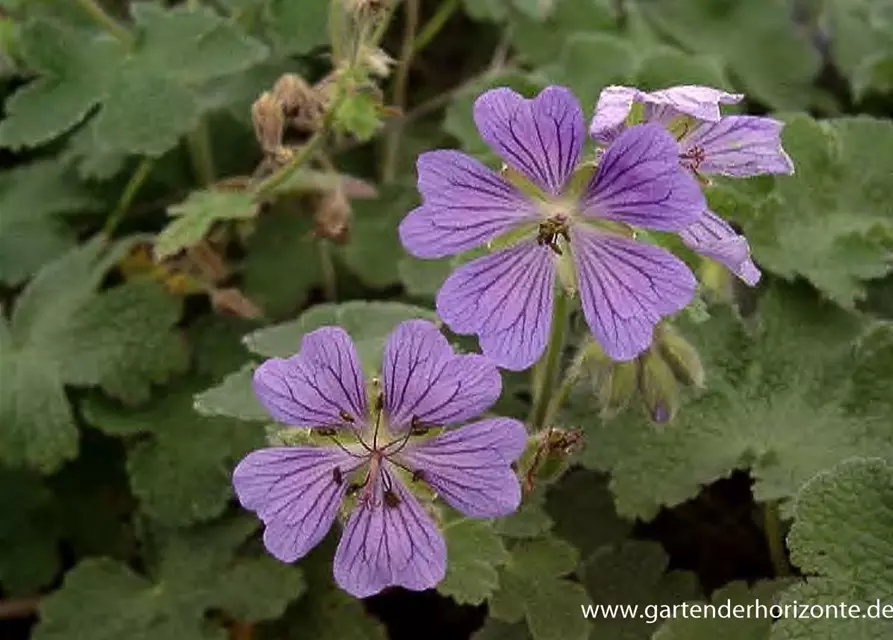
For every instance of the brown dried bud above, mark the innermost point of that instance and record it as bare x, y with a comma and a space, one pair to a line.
333, 216
230, 300
301, 104
269, 122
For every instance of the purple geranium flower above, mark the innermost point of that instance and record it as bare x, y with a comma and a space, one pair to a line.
506, 297
378, 448
736, 146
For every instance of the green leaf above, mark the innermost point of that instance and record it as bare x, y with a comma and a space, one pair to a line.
529, 521
146, 90
326, 612
459, 121
368, 323
541, 42
63, 332
664, 67
197, 214
729, 31
730, 626
475, 552
283, 243
179, 462
532, 587
827, 222
233, 398
842, 536
197, 571
778, 403
31, 232
423, 278
583, 510
591, 61
29, 533
492, 10
861, 33
633, 573
298, 27
374, 249
495, 629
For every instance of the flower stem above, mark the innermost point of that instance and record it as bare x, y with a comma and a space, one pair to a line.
773, 533
547, 368
201, 154
135, 183
444, 12
392, 142
327, 270
336, 30
104, 20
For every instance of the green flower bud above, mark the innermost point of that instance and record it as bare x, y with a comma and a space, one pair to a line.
680, 355
658, 386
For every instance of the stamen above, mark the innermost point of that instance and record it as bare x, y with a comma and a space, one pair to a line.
693, 158
345, 449
550, 230
417, 475
348, 418
337, 476
379, 406
417, 427
391, 499
327, 431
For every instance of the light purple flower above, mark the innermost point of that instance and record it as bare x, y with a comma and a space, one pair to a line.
506, 297
378, 450
709, 144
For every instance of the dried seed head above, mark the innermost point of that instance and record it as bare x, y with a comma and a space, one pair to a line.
333, 216
269, 122
377, 61
301, 104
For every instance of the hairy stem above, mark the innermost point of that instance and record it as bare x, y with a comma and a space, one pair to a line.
201, 154
136, 182
774, 539
398, 100
444, 12
547, 368
104, 20
327, 270
564, 390
336, 30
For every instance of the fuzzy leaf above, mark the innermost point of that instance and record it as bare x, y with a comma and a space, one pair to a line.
633, 573
827, 222
728, 31
233, 398
31, 233
542, 41
532, 587
196, 571
179, 462
752, 627
63, 332
475, 553
197, 214
842, 537
146, 90
368, 323
779, 403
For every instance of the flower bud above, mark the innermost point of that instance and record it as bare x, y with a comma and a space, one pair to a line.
301, 104
658, 387
680, 355
548, 455
333, 216
269, 122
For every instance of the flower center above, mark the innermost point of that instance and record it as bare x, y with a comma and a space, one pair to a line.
374, 445
551, 229
693, 158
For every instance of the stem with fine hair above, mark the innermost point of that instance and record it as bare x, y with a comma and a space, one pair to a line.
547, 368
104, 20
201, 154
444, 12
773, 532
392, 142
135, 183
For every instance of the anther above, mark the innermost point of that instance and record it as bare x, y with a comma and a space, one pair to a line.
391, 499
337, 476
346, 416
326, 431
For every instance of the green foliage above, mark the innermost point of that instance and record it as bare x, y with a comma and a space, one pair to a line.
740, 628
62, 332
830, 222
861, 35
146, 87
475, 553
196, 216
533, 588
633, 573
179, 462
842, 538
193, 573
775, 405
31, 230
